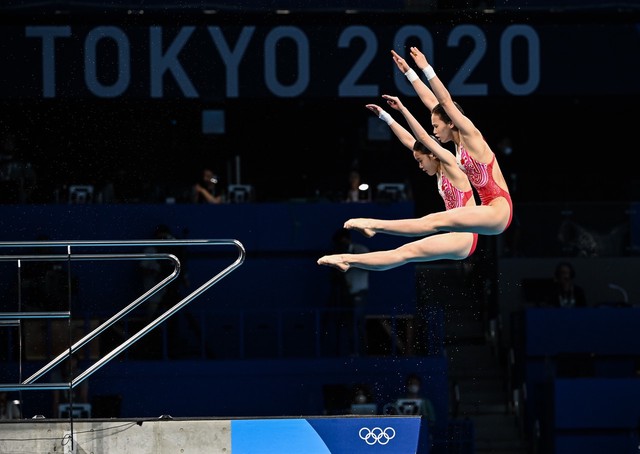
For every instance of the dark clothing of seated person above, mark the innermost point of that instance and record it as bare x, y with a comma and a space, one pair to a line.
565, 293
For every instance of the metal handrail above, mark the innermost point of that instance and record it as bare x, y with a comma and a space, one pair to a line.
29, 383
33, 315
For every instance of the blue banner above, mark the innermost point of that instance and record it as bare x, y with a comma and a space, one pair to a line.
343, 435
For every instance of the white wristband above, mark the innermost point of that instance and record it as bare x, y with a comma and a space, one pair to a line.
429, 72
411, 75
384, 116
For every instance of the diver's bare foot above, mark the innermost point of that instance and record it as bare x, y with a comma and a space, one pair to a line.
360, 225
335, 261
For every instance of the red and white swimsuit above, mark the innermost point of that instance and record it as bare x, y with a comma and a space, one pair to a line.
454, 198
481, 177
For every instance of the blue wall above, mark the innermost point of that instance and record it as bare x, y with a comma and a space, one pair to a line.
580, 370
282, 240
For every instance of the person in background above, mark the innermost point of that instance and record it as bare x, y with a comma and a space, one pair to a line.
206, 189
412, 401
184, 330
362, 395
8, 408
354, 192
565, 292
354, 294
414, 391
153, 271
45, 285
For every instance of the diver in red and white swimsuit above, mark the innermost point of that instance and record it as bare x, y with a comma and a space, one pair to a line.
448, 245
450, 124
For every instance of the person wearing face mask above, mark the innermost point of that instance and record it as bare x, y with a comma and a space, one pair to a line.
363, 402
414, 392
362, 394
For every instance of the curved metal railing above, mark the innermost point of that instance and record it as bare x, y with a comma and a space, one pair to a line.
14, 317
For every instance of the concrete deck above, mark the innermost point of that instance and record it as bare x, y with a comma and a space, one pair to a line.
334, 435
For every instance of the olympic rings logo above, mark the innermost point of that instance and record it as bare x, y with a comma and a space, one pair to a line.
377, 435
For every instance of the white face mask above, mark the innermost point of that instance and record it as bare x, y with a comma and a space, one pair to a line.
413, 389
